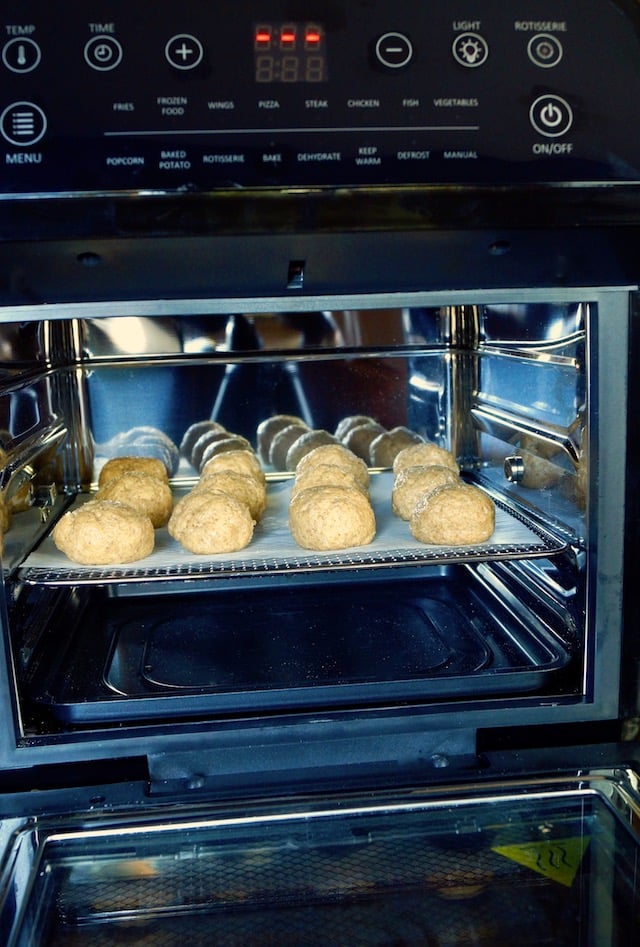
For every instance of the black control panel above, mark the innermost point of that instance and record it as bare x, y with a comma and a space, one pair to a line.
103, 96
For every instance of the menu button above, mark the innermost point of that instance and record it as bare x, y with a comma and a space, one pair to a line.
23, 123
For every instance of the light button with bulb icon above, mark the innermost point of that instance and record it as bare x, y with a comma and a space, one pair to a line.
470, 50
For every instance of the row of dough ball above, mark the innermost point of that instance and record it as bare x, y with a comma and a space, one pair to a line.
118, 525
219, 514
134, 499
441, 509
282, 440
18, 502
329, 506
205, 439
144, 441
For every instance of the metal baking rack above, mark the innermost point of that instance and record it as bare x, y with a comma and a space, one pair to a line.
273, 551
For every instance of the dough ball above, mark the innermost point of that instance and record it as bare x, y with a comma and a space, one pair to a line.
359, 439
228, 443
207, 522
582, 478
146, 441
117, 466
328, 517
104, 532
424, 455
282, 441
5, 515
242, 460
240, 485
539, 473
144, 493
195, 431
412, 483
305, 444
385, 448
347, 424
201, 444
20, 501
267, 430
454, 515
325, 475
340, 456
166, 452
461, 877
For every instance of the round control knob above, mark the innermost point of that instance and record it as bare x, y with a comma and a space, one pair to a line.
514, 468
394, 50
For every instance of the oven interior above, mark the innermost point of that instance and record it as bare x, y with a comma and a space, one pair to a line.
277, 629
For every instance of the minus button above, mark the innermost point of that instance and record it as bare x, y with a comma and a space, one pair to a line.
393, 50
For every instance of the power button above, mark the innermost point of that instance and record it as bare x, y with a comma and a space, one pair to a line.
551, 116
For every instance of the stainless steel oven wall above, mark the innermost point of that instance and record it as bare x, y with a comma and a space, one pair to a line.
515, 382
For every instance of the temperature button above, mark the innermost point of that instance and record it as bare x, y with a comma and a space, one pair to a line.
551, 116
394, 50
21, 54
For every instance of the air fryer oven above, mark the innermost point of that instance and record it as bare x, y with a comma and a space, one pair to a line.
427, 218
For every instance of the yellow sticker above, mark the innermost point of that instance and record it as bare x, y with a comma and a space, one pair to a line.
557, 859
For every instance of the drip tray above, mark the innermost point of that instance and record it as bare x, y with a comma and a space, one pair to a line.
300, 647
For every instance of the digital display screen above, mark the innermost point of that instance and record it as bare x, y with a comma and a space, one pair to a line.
289, 52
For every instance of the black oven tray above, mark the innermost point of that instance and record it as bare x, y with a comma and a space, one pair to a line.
446, 635
273, 552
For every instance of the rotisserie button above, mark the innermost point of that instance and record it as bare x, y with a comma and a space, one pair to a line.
545, 50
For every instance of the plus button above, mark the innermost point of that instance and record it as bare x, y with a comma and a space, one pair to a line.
184, 51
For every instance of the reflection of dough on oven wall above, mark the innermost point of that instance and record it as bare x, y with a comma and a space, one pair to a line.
539, 471
582, 475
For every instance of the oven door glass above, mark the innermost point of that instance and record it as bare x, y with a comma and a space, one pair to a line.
534, 865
